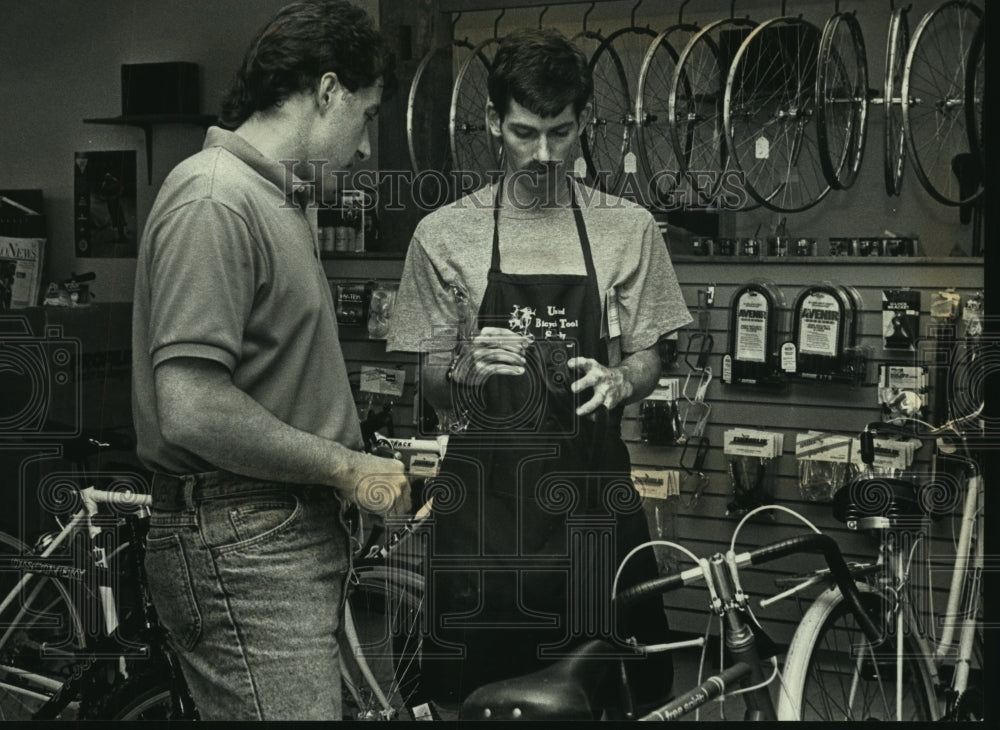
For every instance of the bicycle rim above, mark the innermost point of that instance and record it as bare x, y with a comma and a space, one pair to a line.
894, 159
769, 114
385, 607
41, 616
425, 113
655, 151
605, 140
832, 672
694, 113
842, 100
473, 149
934, 118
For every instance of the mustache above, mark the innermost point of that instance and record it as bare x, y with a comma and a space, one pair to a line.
543, 168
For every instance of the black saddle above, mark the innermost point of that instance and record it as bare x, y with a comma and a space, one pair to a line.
564, 690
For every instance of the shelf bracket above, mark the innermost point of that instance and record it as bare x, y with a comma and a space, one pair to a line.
146, 125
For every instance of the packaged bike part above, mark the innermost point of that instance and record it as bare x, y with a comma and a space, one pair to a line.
660, 490
902, 390
945, 305
900, 318
380, 306
751, 456
754, 330
892, 457
972, 316
826, 328
350, 302
659, 415
824, 464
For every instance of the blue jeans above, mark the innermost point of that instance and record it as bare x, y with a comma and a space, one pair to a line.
248, 579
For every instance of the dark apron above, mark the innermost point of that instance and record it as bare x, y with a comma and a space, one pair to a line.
534, 507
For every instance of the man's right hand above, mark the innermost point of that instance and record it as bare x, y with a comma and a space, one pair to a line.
381, 487
493, 351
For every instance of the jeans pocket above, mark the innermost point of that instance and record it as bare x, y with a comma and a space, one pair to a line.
172, 590
248, 522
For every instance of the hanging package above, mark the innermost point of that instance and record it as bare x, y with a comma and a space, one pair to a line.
826, 328
754, 331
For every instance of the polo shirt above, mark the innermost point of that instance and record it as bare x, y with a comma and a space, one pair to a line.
228, 270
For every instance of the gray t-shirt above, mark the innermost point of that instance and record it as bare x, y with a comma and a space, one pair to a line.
451, 249
228, 271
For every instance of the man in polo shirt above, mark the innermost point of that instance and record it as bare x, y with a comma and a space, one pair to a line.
241, 400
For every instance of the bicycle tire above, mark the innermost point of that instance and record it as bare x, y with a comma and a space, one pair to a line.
46, 616
385, 610
418, 116
607, 140
842, 100
696, 122
654, 116
975, 95
473, 148
604, 142
768, 113
587, 41
933, 96
145, 696
894, 141
823, 679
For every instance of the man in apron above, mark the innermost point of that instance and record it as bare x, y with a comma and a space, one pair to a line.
537, 304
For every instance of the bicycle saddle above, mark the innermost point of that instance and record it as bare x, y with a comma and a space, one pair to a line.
885, 498
564, 690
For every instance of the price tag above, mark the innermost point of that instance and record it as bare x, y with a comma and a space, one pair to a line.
762, 148
788, 358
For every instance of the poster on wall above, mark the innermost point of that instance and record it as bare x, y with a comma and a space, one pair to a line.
104, 208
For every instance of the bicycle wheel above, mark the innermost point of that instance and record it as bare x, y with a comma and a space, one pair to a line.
385, 613
615, 67
587, 41
769, 112
842, 100
934, 88
145, 695
975, 90
426, 114
39, 619
894, 140
605, 140
695, 104
659, 158
473, 149
831, 673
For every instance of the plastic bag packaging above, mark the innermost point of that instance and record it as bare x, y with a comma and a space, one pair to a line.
380, 305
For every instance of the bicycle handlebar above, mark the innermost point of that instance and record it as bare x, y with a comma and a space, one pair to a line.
813, 542
118, 499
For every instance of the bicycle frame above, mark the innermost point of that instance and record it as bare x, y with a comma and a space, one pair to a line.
958, 619
892, 578
721, 575
109, 645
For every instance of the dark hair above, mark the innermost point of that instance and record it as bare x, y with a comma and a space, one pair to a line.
542, 71
303, 41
